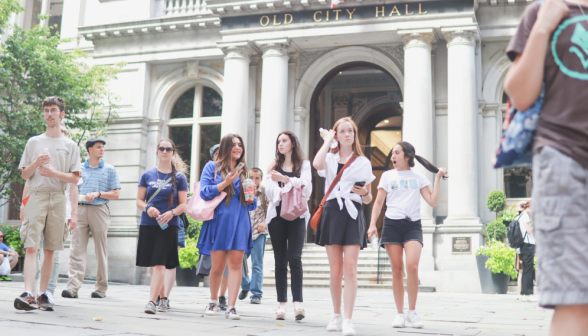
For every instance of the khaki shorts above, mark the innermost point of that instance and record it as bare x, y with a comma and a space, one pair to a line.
45, 215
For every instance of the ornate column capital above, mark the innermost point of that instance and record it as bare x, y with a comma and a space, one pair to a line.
460, 37
238, 50
274, 48
420, 40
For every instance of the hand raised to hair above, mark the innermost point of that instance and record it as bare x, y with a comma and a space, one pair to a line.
441, 173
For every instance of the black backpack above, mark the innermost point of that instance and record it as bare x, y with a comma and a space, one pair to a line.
515, 237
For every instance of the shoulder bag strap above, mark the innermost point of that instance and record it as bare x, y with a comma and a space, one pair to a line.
336, 180
158, 190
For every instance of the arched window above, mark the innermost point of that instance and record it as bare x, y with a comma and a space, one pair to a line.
195, 126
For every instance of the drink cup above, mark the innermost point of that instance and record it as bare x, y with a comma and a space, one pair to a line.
250, 189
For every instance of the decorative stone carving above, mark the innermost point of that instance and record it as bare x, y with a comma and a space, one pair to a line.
418, 40
274, 49
308, 57
236, 52
396, 52
193, 69
460, 37
341, 99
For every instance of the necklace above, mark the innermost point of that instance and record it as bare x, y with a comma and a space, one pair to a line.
166, 176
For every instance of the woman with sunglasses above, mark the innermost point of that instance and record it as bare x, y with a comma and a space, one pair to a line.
160, 221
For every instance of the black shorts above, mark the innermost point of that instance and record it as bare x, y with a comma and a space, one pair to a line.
400, 231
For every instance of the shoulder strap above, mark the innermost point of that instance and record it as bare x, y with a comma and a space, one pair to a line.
336, 180
158, 190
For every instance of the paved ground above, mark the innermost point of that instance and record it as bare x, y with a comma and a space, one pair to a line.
122, 313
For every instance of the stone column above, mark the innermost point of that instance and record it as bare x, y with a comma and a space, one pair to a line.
274, 98
418, 116
462, 128
236, 89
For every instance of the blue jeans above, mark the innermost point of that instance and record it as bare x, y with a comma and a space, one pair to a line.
256, 282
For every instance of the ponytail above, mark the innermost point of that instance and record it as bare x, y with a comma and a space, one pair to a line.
409, 152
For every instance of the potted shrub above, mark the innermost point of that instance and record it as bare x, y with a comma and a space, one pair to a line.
509, 214
496, 260
186, 273
496, 201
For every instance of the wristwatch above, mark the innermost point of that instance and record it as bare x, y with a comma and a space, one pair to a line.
99, 194
173, 212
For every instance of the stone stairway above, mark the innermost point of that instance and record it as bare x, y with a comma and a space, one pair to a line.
316, 269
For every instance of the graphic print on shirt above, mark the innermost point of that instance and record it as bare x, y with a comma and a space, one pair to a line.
574, 30
158, 183
403, 184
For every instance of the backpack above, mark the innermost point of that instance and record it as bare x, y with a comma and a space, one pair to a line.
515, 237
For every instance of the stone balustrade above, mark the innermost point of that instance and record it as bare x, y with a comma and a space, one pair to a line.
185, 7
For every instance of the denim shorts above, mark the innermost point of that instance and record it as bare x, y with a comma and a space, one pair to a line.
560, 219
181, 236
400, 231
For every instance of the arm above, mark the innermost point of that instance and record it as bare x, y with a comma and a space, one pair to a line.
320, 159
376, 209
49, 171
433, 197
525, 77
73, 199
109, 195
304, 180
183, 202
28, 171
141, 204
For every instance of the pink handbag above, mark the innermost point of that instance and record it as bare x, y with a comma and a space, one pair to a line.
201, 210
293, 204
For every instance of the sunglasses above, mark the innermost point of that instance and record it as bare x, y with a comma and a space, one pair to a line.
166, 149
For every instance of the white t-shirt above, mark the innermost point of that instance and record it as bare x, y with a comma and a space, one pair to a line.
523, 220
403, 188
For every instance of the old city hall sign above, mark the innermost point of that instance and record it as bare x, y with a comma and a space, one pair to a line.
322, 16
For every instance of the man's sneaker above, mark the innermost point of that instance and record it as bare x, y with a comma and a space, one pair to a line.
4, 278
50, 296
150, 308
231, 314
163, 305
414, 319
44, 303
69, 294
211, 309
222, 303
24, 302
348, 329
255, 300
335, 324
398, 321
243, 294
96, 295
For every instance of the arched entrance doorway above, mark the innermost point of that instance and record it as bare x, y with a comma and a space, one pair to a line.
371, 96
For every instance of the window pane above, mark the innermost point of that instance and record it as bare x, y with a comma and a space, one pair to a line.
518, 182
210, 135
15, 201
182, 137
184, 107
212, 103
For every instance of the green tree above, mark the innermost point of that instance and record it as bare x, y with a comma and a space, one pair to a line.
496, 201
32, 67
7, 8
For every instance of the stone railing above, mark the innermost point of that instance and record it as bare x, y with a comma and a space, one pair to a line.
185, 7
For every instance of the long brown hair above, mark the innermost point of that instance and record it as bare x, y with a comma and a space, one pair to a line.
223, 162
297, 154
410, 153
177, 164
356, 147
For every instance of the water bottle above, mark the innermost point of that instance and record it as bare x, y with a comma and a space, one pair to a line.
375, 243
323, 132
162, 225
81, 198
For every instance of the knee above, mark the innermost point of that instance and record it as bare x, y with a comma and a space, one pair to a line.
397, 271
337, 274
412, 269
350, 269
31, 251
235, 265
49, 253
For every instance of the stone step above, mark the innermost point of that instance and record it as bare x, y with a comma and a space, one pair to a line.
326, 277
362, 263
315, 284
364, 271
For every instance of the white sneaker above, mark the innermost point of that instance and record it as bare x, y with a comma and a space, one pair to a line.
232, 314
348, 329
335, 324
50, 296
414, 319
398, 321
211, 309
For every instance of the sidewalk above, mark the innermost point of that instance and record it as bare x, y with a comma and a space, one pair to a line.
122, 313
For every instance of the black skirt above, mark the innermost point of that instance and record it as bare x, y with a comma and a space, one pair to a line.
158, 247
338, 228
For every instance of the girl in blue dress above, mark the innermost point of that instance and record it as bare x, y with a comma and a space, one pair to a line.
228, 235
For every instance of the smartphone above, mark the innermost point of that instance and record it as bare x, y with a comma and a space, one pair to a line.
239, 166
360, 184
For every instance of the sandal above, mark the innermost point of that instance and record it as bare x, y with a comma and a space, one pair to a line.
280, 315
299, 314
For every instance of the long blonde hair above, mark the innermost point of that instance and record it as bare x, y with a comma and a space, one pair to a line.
356, 147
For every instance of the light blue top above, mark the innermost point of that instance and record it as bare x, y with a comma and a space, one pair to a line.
99, 179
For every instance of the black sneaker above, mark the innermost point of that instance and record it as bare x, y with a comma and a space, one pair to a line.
158, 300
96, 295
24, 302
255, 300
222, 302
68, 294
243, 294
44, 303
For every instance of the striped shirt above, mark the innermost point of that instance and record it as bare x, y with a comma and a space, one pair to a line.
99, 179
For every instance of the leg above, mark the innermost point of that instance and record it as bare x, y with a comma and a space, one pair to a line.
219, 260
246, 281
519, 281
395, 255
528, 252
78, 252
569, 320
46, 269
413, 255
157, 277
224, 283
30, 268
296, 234
350, 256
278, 229
13, 262
99, 222
170, 280
335, 255
38, 274
257, 266
54, 273
235, 260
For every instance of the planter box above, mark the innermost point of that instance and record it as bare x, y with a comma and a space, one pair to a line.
187, 277
491, 283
